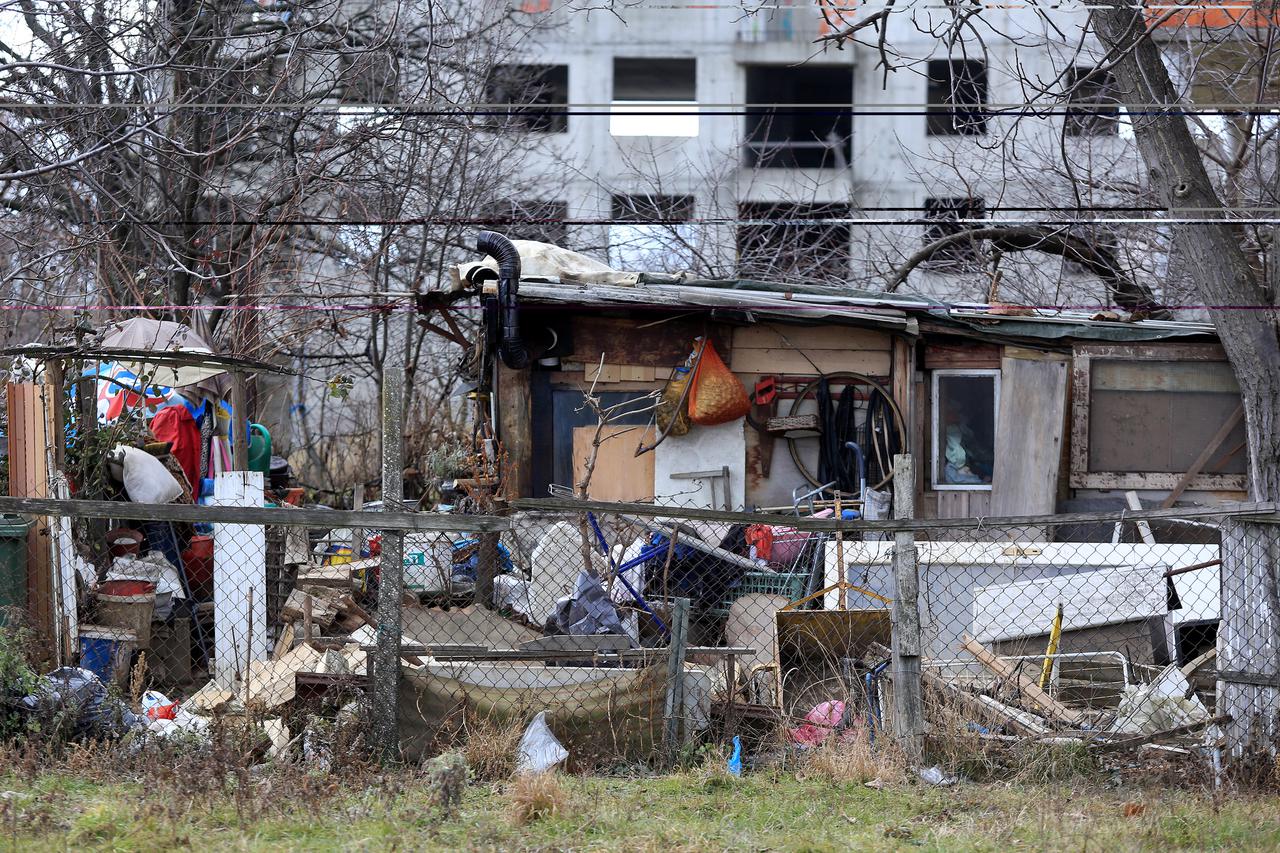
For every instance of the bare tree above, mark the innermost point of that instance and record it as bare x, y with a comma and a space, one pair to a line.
216, 157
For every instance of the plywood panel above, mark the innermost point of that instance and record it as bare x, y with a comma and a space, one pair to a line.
1029, 435
810, 338
29, 478
619, 474
775, 361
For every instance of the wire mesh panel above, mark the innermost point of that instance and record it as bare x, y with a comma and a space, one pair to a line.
637, 632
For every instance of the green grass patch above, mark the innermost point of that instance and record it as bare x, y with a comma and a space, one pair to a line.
687, 811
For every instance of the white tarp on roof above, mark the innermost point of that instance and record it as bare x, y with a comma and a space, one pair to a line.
543, 260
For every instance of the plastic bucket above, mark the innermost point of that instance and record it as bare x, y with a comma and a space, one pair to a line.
127, 588
198, 561
132, 612
106, 651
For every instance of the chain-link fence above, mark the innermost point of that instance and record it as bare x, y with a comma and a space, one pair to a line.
640, 630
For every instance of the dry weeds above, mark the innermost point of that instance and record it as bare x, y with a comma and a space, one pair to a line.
534, 796
491, 748
854, 758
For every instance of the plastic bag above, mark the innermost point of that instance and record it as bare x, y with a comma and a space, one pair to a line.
539, 748
146, 480
717, 396
671, 408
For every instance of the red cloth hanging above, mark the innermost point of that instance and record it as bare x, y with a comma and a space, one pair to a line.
175, 425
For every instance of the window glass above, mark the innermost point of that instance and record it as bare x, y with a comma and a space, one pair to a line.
656, 235
654, 97
964, 428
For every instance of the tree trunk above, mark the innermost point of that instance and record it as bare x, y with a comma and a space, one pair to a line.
1222, 274
1241, 308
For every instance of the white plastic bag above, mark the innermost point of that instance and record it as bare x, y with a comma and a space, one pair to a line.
539, 749
146, 480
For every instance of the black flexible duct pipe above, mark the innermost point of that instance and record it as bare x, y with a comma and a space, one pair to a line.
511, 347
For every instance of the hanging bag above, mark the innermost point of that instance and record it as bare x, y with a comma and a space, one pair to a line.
716, 396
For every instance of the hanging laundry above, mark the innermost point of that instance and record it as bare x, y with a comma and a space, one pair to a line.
175, 425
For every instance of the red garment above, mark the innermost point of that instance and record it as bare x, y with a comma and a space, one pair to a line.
175, 425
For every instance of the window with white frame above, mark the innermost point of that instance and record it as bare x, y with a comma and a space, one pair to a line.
965, 403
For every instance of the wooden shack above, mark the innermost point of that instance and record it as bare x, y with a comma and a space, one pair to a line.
1049, 411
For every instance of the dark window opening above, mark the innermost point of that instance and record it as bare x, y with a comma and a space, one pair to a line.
530, 89
946, 213
956, 95
792, 248
543, 221
799, 137
654, 79
1099, 114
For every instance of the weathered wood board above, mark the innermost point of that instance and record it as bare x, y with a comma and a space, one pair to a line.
1029, 434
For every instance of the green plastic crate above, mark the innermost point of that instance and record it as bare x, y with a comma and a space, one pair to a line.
790, 584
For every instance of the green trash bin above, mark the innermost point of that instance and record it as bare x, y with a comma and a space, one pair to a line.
13, 564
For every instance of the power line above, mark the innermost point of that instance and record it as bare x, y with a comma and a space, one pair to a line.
654, 108
801, 221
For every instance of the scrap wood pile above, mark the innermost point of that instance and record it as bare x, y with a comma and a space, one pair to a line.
1008, 705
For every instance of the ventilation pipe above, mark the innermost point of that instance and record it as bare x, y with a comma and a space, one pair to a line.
511, 347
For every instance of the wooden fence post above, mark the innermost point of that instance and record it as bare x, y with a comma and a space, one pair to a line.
673, 709
908, 699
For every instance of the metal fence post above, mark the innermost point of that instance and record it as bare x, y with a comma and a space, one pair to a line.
673, 708
384, 687
908, 700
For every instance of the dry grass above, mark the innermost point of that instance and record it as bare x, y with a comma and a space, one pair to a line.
491, 748
534, 796
854, 759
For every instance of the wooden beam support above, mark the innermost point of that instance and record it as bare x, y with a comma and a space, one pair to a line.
515, 431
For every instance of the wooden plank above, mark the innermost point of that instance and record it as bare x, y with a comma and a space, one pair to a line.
1144, 529
515, 431
407, 521
661, 345
619, 474
984, 707
613, 373
1029, 434
1200, 461
771, 336
876, 363
1031, 691
967, 355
